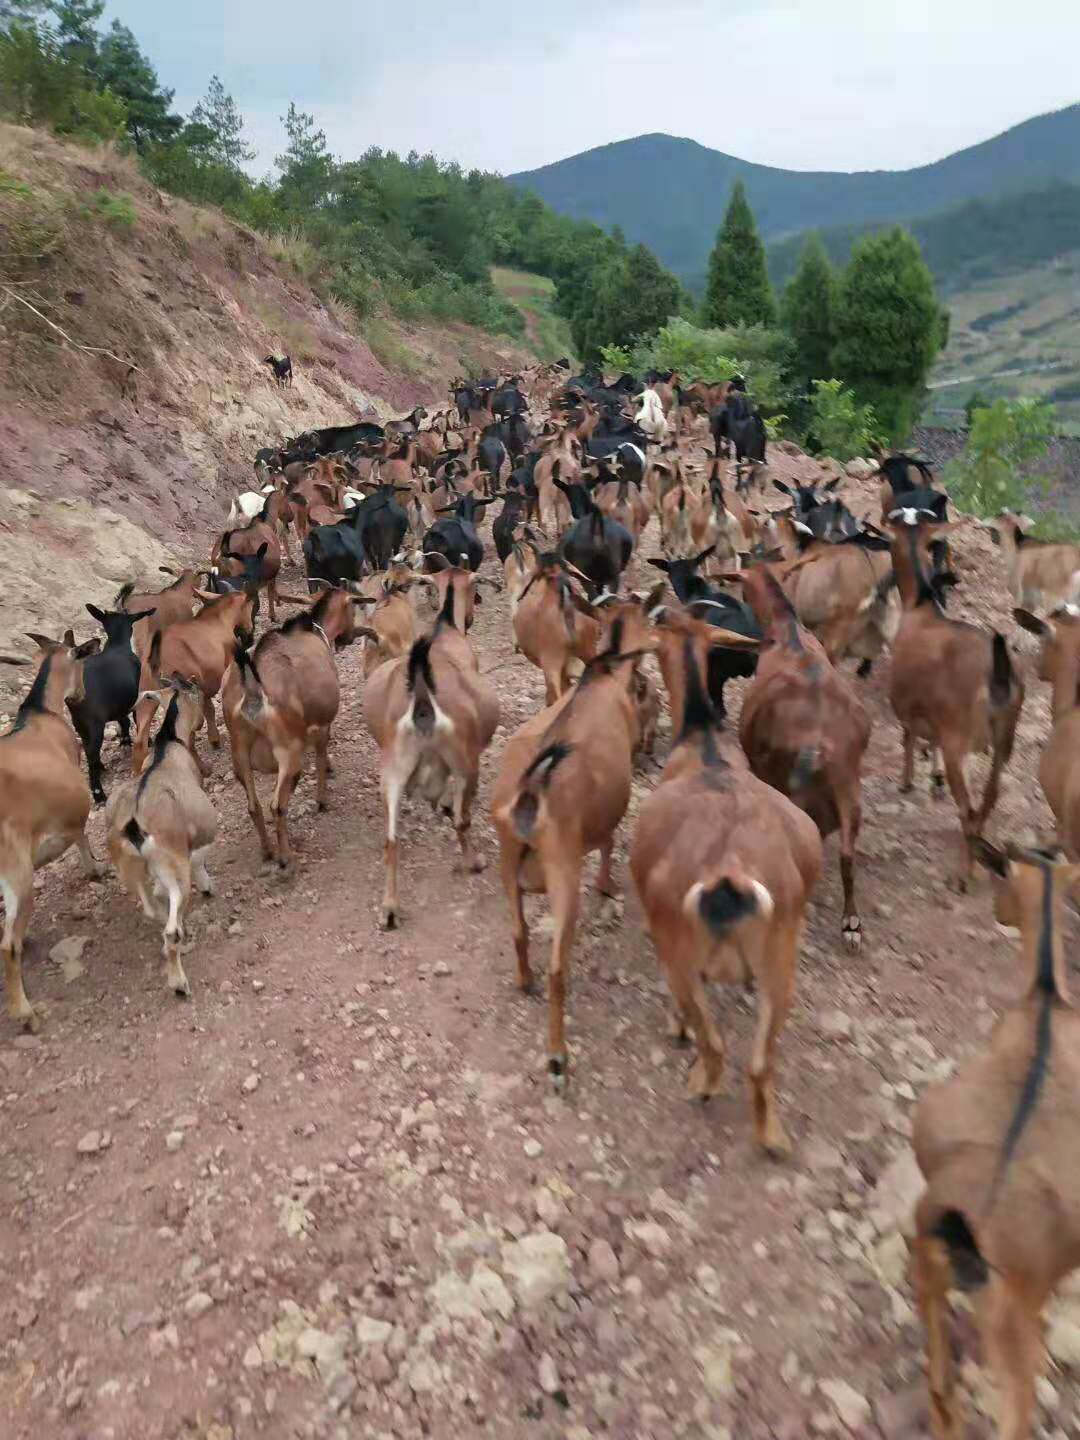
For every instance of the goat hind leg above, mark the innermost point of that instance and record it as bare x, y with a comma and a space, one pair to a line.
321, 741
511, 857
776, 986
954, 774
933, 1276
17, 888
1012, 1335
851, 924
563, 875
175, 879
289, 760
243, 771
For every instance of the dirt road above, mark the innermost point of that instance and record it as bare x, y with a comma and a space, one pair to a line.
332, 1195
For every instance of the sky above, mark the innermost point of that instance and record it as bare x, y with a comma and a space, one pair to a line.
801, 84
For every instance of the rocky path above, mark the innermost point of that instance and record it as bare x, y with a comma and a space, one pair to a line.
332, 1196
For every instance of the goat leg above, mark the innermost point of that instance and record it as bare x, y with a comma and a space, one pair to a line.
464, 794
243, 771
933, 1276
321, 742
512, 857
17, 888
392, 788
289, 761
209, 715
1012, 1335
563, 875
954, 774
776, 986
851, 925
907, 774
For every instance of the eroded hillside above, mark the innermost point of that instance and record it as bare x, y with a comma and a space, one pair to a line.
103, 480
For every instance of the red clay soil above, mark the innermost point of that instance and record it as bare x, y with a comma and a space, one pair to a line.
333, 1196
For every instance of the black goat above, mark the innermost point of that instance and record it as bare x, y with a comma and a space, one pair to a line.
282, 368
597, 547
455, 538
111, 684
719, 609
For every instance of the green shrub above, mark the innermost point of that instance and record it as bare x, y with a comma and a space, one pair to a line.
1005, 439
115, 208
839, 425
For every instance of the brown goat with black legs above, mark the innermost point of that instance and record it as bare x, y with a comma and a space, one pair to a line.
281, 696
161, 823
805, 730
997, 1146
433, 717
952, 684
562, 789
724, 866
44, 801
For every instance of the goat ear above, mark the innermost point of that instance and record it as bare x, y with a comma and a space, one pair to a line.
99, 615
206, 595
1032, 622
729, 640
664, 565
262, 550
784, 489
831, 486
990, 856
86, 649
41, 641
69, 638
167, 570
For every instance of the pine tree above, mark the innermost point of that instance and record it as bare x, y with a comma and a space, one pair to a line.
125, 70
807, 312
888, 327
217, 127
306, 166
76, 29
738, 291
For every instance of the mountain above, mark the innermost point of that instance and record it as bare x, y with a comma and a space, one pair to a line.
671, 193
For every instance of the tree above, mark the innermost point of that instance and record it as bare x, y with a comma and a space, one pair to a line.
217, 128
737, 291
888, 327
125, 70
807, 312
76, 29
306, 166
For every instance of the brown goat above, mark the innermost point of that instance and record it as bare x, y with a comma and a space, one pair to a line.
281, 696
562, 788
259, 538
996, 1145
175, 602
44, 801
432, 716
1043, 575
805, 730
554, 625
161, 824
1059, 770
201, 650
951, 684
724, 865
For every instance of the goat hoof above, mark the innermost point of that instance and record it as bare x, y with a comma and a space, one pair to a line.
182, 989
389, 920
99, 797
852, 932
322, 806
905, 789
29, 1019
777, 1146
557, 1071
937, 787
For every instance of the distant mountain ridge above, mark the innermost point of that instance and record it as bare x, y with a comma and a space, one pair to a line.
671, 193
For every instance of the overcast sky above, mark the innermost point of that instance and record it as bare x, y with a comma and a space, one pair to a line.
804, 84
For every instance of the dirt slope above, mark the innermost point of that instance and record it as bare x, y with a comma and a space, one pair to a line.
333, 1197
194, 301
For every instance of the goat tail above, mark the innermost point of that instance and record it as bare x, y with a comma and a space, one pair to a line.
254, 695
970, 1270
122, 594
421, 682
808, 763
525, 810
1001, 672
727, 903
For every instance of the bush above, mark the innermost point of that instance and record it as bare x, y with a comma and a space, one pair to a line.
839, 425
116, 209
759, 354
1004, 441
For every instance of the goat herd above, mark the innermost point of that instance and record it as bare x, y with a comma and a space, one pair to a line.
727, 848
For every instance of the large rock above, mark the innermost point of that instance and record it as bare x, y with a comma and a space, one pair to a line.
539, 1267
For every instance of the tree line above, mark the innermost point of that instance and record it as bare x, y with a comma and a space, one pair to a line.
417, 236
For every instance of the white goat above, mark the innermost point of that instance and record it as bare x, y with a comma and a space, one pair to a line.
651, 418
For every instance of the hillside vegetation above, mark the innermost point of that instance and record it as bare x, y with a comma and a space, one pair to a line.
670, 193
546, 332
102, 479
